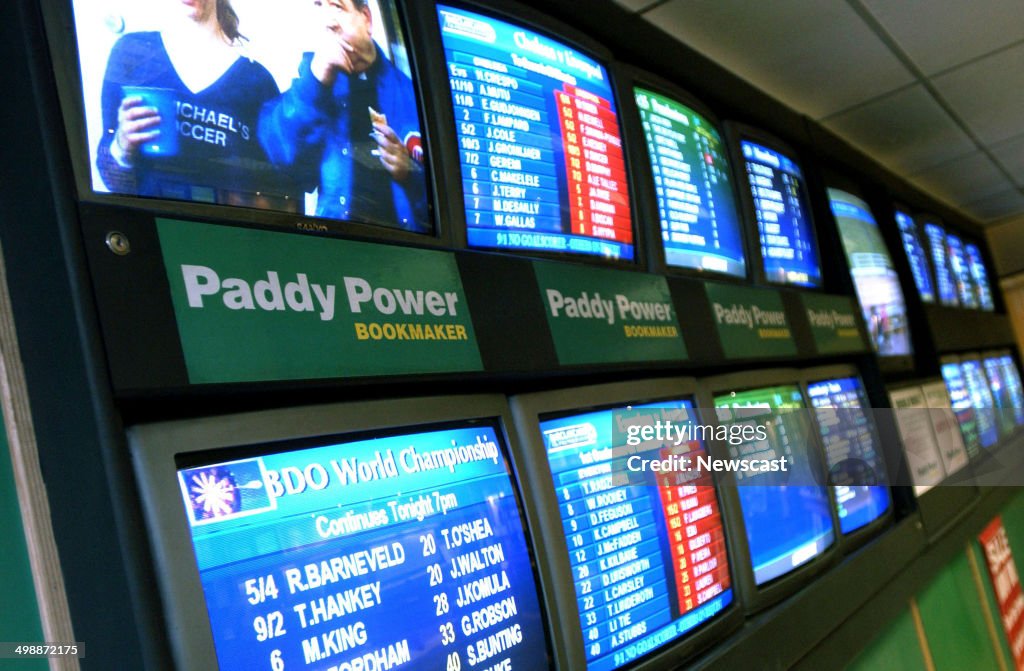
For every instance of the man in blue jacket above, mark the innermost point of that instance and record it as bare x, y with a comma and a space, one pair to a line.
349, 127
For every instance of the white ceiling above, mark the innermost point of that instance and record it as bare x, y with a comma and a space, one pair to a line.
932, 89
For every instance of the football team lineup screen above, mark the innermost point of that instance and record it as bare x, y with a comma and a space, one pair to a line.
367, 555
539, 141
648, 553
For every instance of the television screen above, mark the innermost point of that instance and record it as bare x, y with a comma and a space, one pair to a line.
979, 275
916, 255
539, 142
963, 407
1002, 395
960, 271
362, 553
944, 282
919, 443
874, 276
1013, 383
851, 445
787, 525
981, 400
700, 225
648, 553
251, 107
783, 212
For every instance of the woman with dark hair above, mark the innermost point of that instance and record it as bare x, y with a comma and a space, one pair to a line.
196, 71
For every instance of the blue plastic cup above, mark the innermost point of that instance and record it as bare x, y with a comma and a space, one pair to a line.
165, 102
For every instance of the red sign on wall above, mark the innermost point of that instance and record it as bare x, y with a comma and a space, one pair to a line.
1002, 570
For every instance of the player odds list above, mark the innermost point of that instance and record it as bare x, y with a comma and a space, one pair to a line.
539, 141
648, 560
401, 552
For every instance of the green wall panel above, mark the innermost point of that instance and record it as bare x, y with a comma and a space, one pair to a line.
895, 649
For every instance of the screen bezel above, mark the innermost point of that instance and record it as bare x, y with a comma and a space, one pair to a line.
625, 78
857, 537
445, 149
915, 220
526, 411
735, 133
154, 448
59, 23
755, 597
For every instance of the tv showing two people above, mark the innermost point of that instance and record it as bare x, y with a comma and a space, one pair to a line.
304, 107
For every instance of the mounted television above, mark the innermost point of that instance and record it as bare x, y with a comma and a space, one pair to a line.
962, 404
944, 281
775, 197
920, 447
916, 255
981, 398
853, 451
640, 550
356, 535
786, 515
1011, 376
976, 266
1002, 394
874, 275
243, 108
539, 145
687, 163
960, 271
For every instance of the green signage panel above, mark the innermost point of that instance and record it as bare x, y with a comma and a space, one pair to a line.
751, 322
259, 305
833, 321
597, 315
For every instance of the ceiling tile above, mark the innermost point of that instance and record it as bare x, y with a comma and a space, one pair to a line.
988, 94
1011, 155
635, 5
996, 207
817, 57
906, 131
966, 179
968, 29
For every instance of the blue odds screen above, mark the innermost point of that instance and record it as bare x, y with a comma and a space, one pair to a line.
539, 142
367, 554
916, 255
981, 400
960, 271
944, 282
976, 265
963, 407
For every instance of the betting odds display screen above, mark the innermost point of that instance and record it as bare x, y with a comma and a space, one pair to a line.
1011, 376
979, 276
1006, 414
783, 214
874, 275
649, 558
960, 271
851, 451
700, 225
787, 525
368, 554
981, 399
916, 256
539, 141
963, 407
944, 282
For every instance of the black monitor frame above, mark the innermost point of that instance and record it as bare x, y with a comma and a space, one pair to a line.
755, 597
626, 78
430, 52
857, 537
527, 410
735, 133
154, 448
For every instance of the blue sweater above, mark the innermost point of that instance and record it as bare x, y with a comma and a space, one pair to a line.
321, 136
219, 158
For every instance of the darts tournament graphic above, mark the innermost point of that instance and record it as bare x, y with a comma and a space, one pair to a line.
225, 491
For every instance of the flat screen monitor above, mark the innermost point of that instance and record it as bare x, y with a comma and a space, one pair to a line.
979, 275
701, 227
855, 465
540, 149
944, 282
170, 113
1013, 383
1002, 395
647, 549
963, 406
783, 212
376, 547
920, 447
919, 265
960, 271
787, 521
981, 398
874, 275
